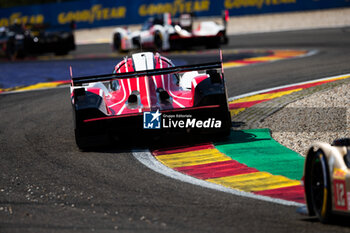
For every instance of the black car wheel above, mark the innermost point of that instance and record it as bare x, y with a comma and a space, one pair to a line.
62, 52
10, 49
81, 142
213, 43
86, 140
117, 42
319, 182
158, 41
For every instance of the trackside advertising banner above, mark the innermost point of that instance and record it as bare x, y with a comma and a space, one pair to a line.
97, 13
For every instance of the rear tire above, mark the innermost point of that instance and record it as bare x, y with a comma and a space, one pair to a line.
117, 42
320, 186
158, 41
87, 141
213, 43
10, 49
61, 52
81, 142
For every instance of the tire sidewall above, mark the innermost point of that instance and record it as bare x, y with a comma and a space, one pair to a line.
324, 214
117, 41
158, 41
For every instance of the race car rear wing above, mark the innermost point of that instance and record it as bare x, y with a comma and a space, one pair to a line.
170, 70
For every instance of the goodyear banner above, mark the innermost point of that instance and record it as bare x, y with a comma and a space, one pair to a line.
97, 13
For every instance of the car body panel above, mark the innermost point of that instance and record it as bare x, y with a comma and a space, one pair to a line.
173, 35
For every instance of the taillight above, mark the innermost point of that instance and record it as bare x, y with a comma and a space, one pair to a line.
169, 19
227, 17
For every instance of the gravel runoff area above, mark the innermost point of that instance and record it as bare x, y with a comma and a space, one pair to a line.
247, 24
322, 116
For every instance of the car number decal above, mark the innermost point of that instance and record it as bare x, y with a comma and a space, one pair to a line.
340, 197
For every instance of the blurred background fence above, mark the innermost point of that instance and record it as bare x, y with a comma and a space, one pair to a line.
99, 13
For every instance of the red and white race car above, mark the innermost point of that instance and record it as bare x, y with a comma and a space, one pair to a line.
327, 179
147, 94
163, 33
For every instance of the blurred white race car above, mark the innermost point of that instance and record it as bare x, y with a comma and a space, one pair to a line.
162, 33
327, 179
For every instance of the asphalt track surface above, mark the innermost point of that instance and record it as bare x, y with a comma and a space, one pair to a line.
48, 185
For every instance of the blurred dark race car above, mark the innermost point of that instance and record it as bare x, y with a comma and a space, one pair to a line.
12, 40
18, 41
45, 38
327, 179
147, 95
164, 33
